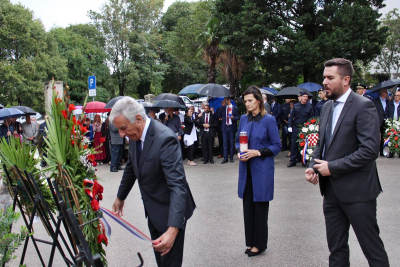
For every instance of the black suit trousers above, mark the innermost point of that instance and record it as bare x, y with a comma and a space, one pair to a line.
255, 218
207, 144
362, 217
175, 256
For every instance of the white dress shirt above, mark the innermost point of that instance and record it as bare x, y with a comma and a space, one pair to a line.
146, 127
339, 108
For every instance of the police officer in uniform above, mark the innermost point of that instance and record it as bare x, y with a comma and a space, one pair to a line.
284, 119
318, 107
361, 90
300, 114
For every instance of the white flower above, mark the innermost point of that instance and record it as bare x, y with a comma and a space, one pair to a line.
304, 130
312, 127
307, 157
389, 144
309, 151
317, 128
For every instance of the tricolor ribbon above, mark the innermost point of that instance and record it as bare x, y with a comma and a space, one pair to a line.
386, 142
105, 226
125, 224
304, 152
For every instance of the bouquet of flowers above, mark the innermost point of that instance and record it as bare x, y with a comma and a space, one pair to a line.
72, 164
392, 140
308, 139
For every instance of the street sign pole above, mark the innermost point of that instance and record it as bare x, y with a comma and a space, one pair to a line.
92, 86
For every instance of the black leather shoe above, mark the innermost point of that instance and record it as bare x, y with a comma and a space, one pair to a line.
247, 251
291, 164
252, 254
391, 155
113, 170
224, 161
120, 168
232, 161
212, 161
205, 162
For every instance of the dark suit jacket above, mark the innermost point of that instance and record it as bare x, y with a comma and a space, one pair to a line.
234, 118
162, 182
189, 124
213, 124
276, 112
353, 150
390, 110
379, 108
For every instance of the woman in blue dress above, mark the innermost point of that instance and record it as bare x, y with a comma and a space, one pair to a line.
256, 169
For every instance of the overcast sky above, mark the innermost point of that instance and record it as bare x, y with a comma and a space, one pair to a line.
62, 13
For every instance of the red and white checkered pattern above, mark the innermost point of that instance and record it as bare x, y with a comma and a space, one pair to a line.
312, 139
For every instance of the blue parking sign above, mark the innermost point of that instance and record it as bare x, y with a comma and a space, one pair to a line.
92, 82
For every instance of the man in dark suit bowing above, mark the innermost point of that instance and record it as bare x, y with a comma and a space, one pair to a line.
344, 164
208, 127
155, 161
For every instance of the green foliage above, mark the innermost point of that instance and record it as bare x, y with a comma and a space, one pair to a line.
132, 41
389, 59
9, 242
82, 46
290, 39
27, 57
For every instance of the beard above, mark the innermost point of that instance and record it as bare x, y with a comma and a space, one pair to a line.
332, 94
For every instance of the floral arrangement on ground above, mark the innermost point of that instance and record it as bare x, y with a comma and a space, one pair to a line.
308, 139
392, 140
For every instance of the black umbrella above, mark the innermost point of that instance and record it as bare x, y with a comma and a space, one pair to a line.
26, 110
149, 106
1, 106
385, 85
290, 92
171, 97
214, 90
168, 104
10, 112
112, 102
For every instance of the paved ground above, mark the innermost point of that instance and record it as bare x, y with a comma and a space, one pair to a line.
215, 233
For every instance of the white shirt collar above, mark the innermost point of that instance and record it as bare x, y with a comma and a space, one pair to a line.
344, 97
229, 106
146, 127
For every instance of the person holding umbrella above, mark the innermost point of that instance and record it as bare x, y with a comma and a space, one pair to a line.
300, 114
6, 129
173, 122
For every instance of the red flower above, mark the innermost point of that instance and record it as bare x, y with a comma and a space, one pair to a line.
95, 205
392, 130
101, 238
313, 120
389, 133
102, 139
73, 132
85, 147
64, 113
84, 130
307, 124
71, 108
396, 138
72, 142
396, 146
74, 120
395, 132
302, 136
302, 143
57, 100
97, 188
100, 197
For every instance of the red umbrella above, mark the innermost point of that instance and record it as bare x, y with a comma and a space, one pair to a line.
96, 107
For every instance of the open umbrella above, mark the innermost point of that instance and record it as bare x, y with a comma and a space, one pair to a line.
272, 90
290, 92
168, 104
190, 89
26, 110
149, 106
96, 107
1, 106
168, 96
10, 112
215, 90
112, 102
384, 85
311, 87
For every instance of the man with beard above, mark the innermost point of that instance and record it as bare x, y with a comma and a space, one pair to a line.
344, 165
300, 114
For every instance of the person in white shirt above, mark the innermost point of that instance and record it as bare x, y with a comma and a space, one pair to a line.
30, 131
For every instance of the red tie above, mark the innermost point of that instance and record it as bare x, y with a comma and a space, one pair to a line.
227, 115
206, 120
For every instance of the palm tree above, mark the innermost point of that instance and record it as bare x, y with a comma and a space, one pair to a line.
211, 47
232, 68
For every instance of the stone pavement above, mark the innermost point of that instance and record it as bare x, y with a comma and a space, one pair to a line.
215, 233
